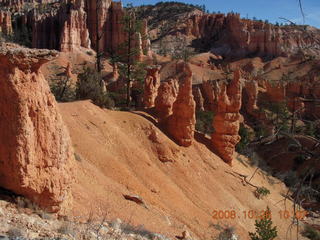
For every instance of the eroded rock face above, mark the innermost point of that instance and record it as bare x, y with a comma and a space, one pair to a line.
236, 37
181, 124
276, 91
75, 33
70, 24
5, 22
226, 121
151, 85
198, 98
36, 153
95, 22
167, 94
64, 28
252, 91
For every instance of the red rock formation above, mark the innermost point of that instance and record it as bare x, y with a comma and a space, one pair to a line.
63, 29
236, 37
18, 5
252, 91
151, 85
209, 90
198, 98
226, 121
276, 91
35, 152
167, 94
72, 24
5, 22
74, 32
146, 44
99, 24
181, 124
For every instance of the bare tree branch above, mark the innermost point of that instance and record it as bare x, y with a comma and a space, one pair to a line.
301, 10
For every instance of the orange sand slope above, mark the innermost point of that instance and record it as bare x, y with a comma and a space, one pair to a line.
125, 153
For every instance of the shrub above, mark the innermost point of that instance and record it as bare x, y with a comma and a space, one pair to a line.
264, 229
88, 87
204, 122
62, 89
311, 233
310, 129
245, 139
260, 132
261, 192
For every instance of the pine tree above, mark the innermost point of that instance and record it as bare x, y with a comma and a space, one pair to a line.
264, 229
130, 67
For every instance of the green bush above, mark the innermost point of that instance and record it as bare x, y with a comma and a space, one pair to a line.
264, 229
311, 233
245, 139
63, 89
262, 192
204, 122
88, 87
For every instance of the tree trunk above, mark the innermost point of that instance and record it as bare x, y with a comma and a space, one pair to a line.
129, 65
98, 53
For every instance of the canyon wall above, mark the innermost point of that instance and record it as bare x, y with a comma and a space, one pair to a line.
230, 36
36, 154
71, 24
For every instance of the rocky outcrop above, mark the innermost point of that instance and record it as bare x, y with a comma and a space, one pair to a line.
35, 152
209, 90
198, 98
63, 28
276, 91
252, 91
167, 94
230, 36
71, 24
74, 32
151, 85
98, 18
181, 124
226, 121
5, 22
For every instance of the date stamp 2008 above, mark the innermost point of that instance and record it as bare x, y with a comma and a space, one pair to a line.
253, 214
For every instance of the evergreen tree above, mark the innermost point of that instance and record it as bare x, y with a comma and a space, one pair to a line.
130, 68
264, 228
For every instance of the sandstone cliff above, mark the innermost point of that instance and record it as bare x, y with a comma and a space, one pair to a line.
35, 152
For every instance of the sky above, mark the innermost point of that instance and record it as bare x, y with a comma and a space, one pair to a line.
270, 10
